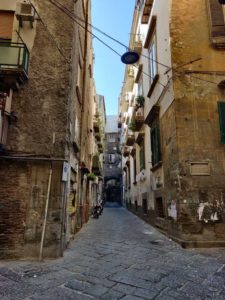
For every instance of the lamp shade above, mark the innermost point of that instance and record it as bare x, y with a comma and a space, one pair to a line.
130, 57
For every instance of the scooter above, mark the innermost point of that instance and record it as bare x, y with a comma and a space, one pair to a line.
96, 211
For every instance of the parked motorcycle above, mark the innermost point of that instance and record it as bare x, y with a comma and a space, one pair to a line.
97, 210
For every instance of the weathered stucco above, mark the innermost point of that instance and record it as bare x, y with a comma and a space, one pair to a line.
46, 107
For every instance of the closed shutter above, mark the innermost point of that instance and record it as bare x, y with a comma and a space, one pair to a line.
142, 155
6, 24
221, 110
155, 144
217, 23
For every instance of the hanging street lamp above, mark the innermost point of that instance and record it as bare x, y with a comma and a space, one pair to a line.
130, 57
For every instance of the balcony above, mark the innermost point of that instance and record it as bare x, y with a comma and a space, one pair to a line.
14, 62
96, 125
137, 43
126, 151
139, 118
146, 11
98, 137
96, 165
100, 147
130, 139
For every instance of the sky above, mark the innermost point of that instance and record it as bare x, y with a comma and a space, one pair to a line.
114, 18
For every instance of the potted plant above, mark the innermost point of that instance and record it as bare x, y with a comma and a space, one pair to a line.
132, 126
140, 101
91, 176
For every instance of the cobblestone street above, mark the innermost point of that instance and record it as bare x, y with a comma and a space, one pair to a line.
118, 256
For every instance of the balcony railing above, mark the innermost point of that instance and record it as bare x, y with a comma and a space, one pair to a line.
139, 118
14, 61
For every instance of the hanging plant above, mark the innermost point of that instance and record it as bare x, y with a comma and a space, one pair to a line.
91, 176
140, 101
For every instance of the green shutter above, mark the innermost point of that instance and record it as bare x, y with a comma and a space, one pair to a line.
221, 110
142, 155
155, 144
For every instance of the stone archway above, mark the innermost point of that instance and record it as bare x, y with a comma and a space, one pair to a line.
112, 189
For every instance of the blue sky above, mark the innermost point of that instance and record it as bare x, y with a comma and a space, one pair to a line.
114, 18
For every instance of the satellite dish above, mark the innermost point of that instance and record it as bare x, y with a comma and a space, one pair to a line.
130, 57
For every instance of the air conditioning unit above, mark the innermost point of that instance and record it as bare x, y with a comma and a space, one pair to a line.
25, 12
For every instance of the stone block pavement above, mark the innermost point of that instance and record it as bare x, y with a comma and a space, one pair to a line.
118, 256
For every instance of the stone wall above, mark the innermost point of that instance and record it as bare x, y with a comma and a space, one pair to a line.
200, 167
45, 106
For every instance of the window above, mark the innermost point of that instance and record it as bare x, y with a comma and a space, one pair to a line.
217, 23
111, 158
221, 111
152, 60
111, 138
155, 143
6, 24
142, 155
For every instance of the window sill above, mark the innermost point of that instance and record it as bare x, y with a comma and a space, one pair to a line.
156, 166
154, 82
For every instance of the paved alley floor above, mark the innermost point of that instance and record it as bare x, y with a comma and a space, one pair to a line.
118, 256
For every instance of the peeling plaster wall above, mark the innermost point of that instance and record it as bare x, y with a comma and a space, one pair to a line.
196, 116
42, 106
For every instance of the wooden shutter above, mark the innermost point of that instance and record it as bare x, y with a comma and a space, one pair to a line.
217, 23
221, 111
6, 24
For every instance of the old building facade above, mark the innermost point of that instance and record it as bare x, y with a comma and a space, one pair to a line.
99, 123
172, 119
46, 126
112, 162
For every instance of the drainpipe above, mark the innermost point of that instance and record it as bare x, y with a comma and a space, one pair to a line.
46, 214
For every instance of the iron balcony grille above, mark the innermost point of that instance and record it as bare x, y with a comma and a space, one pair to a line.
14, 58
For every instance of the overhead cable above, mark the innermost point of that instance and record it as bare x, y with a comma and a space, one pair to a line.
50, 35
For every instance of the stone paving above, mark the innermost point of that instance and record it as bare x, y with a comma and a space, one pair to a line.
118, 256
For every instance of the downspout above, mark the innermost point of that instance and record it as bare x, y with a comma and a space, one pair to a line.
46, 214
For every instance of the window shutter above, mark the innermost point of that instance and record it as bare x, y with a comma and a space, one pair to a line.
155, 144
217, 23
221, 111
6, 24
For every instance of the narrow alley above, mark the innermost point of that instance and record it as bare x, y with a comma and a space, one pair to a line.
118, 256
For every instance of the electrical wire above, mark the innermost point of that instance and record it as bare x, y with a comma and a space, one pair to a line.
50, 35
73, 17
122, 44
